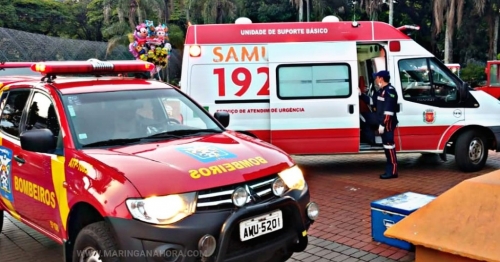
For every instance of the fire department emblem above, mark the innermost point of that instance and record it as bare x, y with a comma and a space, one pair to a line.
6, 174
206, 153
429, 116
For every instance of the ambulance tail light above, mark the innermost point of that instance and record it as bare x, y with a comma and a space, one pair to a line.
394, 46
92, 66
195, 51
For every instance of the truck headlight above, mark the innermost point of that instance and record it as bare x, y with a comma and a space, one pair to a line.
163, 209
293, 178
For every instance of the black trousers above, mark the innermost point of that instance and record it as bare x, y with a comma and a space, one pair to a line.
391, 167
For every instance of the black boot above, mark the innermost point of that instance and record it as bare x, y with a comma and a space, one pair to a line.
388, 176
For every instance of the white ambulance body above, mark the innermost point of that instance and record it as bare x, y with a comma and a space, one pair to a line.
295, 85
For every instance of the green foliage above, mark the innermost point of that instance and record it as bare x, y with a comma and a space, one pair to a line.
47, 17
269, 11
176, 36
473, 73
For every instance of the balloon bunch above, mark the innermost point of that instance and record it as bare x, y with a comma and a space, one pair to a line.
150, 43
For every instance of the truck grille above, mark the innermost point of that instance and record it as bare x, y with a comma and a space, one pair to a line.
220, 197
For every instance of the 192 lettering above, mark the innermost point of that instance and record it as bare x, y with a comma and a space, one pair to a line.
245, 83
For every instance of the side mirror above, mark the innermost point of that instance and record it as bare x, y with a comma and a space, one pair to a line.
223, 118
38, 140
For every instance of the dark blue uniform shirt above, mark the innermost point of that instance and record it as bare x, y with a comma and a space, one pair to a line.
387, 102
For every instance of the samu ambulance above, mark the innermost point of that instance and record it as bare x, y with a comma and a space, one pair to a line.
102, 165
295, 85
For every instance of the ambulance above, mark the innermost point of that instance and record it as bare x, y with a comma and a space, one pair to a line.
296, 85
104, 166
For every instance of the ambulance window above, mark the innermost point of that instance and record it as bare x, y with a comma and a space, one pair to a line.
427, 81
314, 81
13, 110
42, 114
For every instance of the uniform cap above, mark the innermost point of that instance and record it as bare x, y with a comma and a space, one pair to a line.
383, 74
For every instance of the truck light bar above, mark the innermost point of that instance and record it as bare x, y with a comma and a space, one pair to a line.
92, 66
15, 64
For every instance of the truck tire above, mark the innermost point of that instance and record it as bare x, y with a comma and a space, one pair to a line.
92, 240
471, 152
1, 220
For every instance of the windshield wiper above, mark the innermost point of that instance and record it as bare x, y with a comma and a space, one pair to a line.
184, 132
114, 142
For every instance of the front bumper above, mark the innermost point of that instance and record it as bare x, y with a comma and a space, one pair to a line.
178, 242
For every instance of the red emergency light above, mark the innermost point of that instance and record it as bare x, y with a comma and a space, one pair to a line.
92, 66
15, 64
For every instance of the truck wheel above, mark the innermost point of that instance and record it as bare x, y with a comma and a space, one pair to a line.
471, 151
92, 240
1, 220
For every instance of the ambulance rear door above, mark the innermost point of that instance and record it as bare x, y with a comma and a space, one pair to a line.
235, 79
314, 97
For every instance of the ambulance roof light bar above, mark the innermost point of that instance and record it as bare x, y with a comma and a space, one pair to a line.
407, 28
92, 66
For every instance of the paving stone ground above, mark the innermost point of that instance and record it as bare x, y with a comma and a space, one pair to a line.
343, 186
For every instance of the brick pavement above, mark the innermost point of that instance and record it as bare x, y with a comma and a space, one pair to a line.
343, 186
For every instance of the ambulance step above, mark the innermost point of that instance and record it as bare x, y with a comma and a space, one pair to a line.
368, 147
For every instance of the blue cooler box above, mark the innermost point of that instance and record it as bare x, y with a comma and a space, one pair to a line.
388, 211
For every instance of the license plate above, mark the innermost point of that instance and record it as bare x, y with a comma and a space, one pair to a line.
261, 225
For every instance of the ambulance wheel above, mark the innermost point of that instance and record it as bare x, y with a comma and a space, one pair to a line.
92, 240
470, 151
1, 220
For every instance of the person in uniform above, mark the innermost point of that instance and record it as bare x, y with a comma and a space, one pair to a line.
387, 102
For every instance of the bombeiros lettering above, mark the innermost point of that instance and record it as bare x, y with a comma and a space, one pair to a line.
35, 191
226, 167
75, 164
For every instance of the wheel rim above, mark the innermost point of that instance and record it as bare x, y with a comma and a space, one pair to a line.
476, 150
90, 254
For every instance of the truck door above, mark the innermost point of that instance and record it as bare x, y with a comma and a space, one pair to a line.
429, 102
235, 79
314, 97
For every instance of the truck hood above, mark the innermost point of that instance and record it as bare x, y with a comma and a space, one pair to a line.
193, 164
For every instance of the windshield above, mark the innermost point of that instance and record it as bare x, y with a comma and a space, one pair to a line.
112, 118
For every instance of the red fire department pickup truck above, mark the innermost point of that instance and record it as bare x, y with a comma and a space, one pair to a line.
119, 168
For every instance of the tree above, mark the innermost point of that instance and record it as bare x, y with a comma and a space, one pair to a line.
299, 4
371, 7
448, 13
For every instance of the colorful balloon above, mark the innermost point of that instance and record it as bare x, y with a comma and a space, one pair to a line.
150, 43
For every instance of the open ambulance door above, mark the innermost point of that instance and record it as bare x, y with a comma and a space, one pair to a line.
429, 102
314, 97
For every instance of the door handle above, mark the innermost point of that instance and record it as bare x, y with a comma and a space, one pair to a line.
350, 109
19, 159
400, 108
